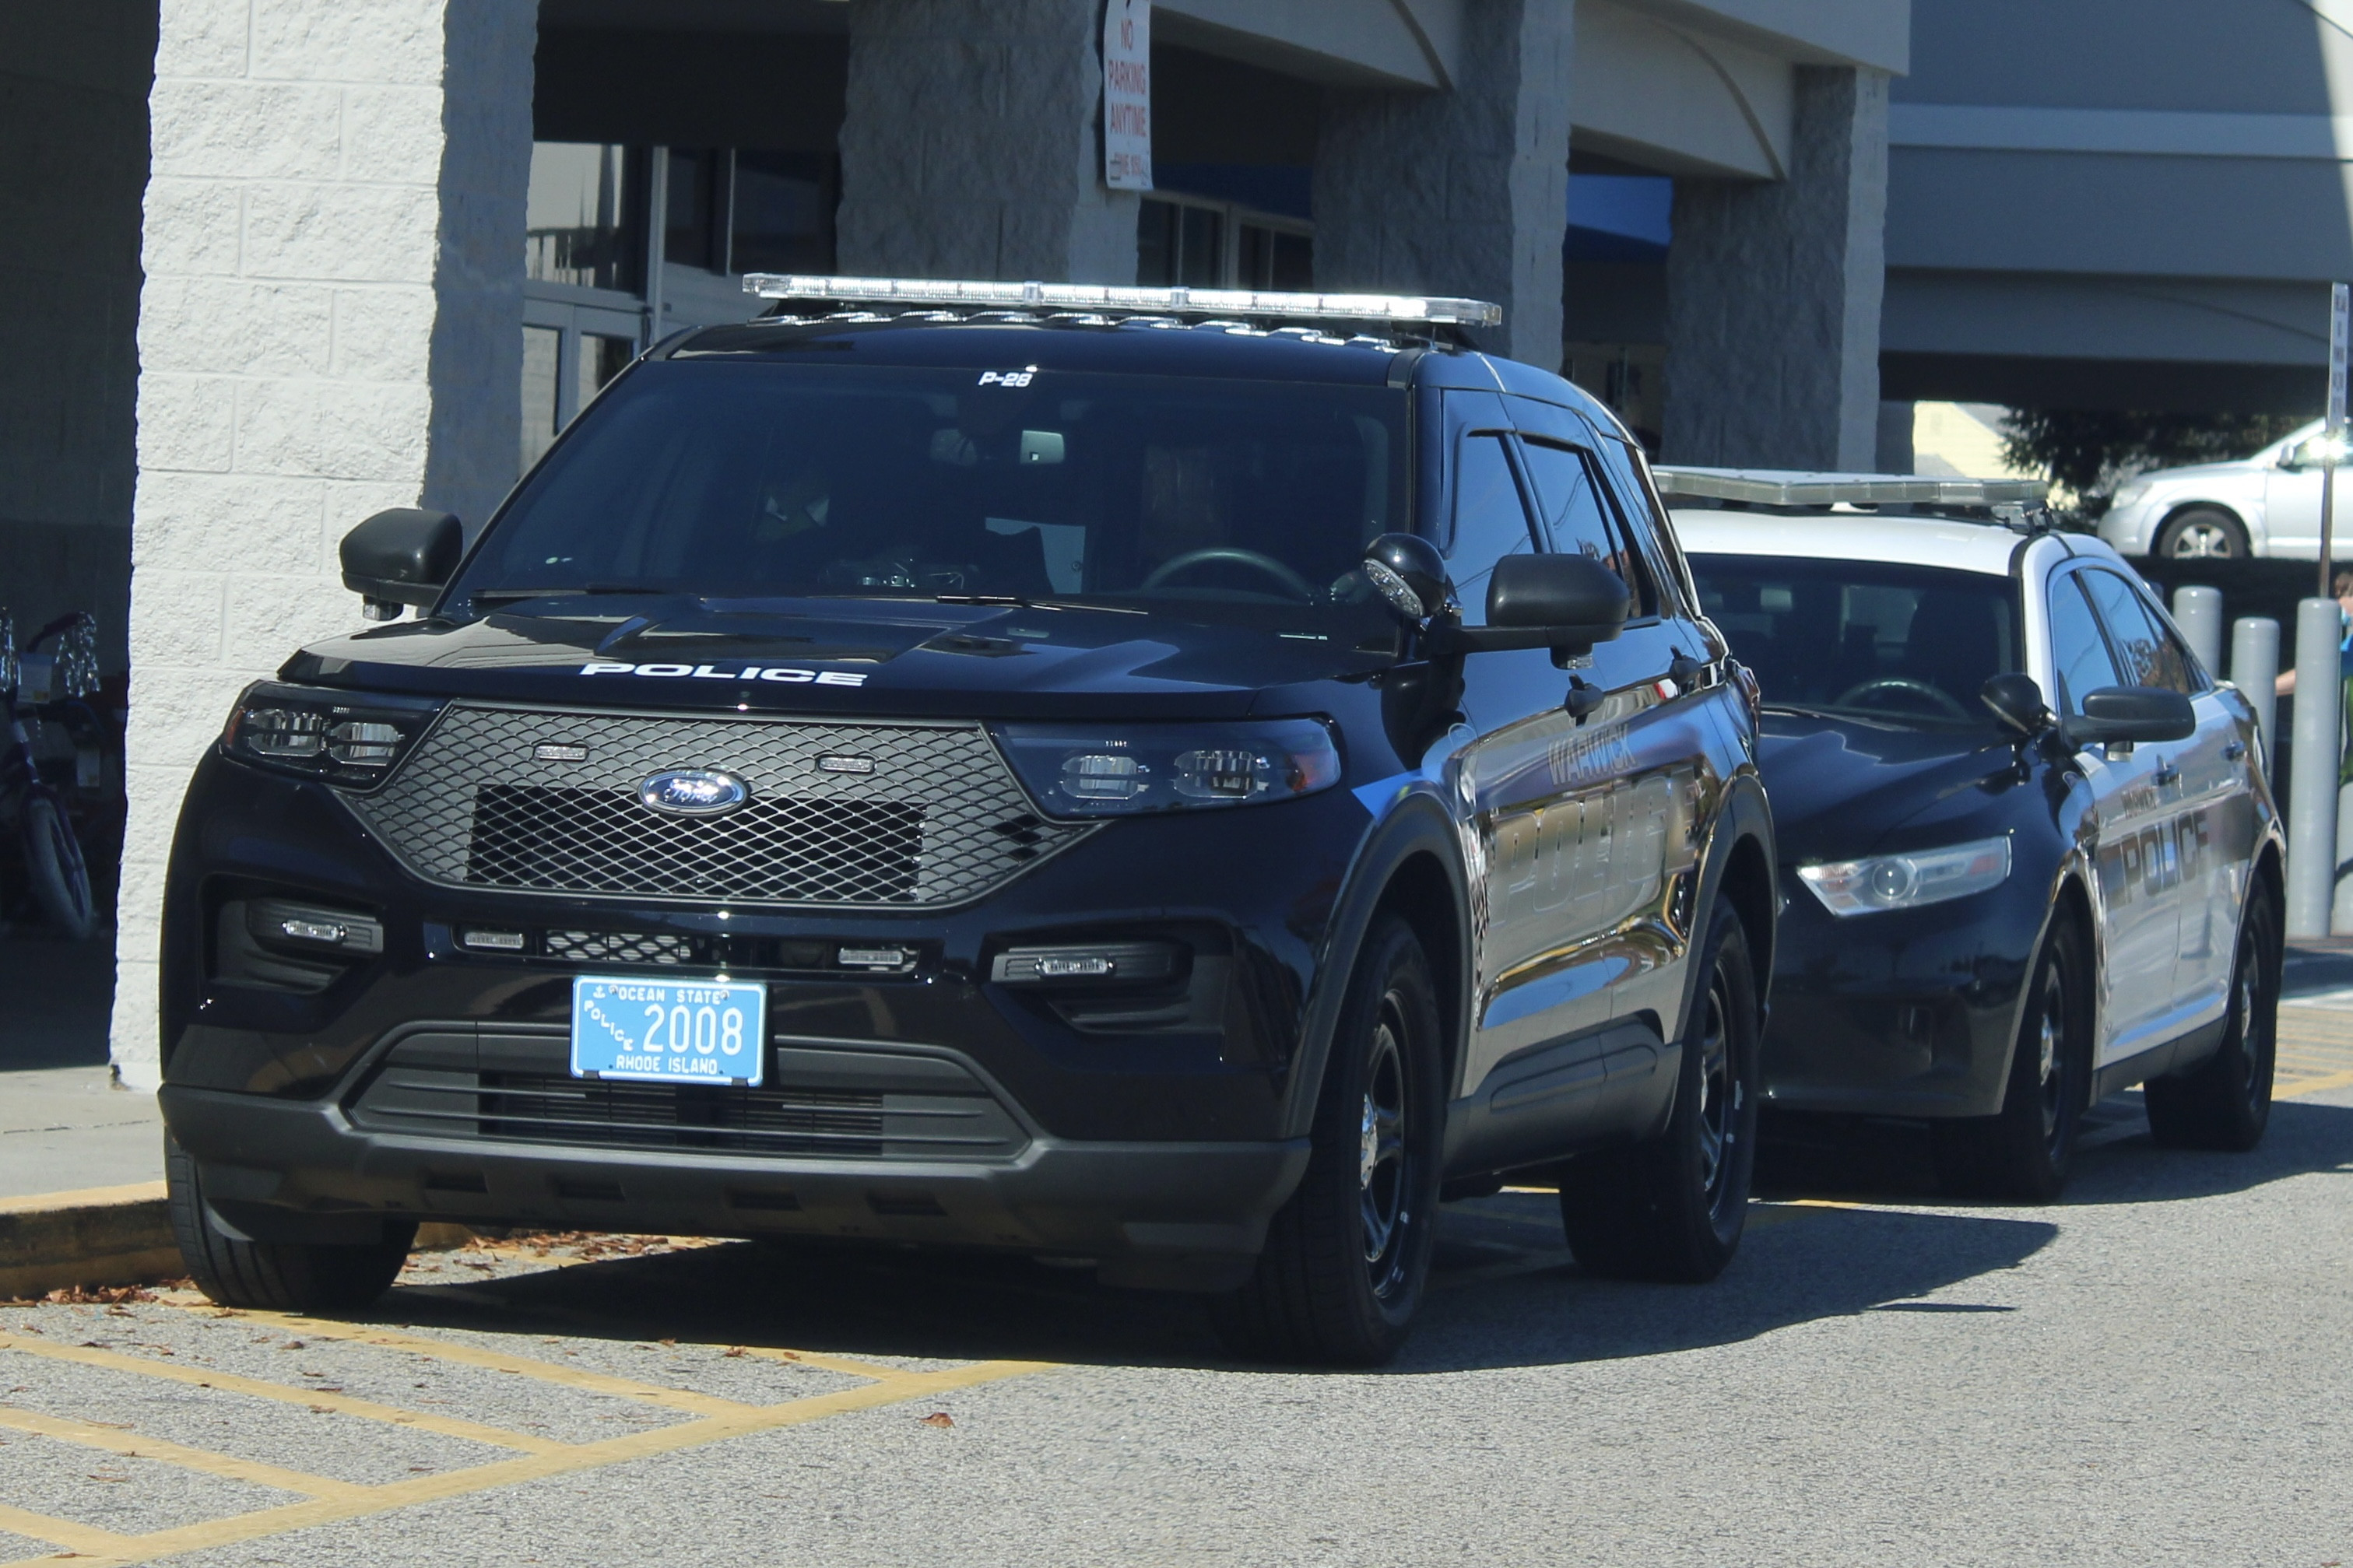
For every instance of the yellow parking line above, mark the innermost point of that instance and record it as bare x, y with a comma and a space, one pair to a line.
87, 1540
131, 1445
2315, 1085
230, 1383
823, 1362
497, 1361
108, 1550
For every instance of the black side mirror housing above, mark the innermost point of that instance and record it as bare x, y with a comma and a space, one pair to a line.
2130, 714
404, 556
1565, 602
2017, 702
1410, 574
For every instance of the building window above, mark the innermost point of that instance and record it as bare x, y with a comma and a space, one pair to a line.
1198, 244
578, 218
782, 217
694, 231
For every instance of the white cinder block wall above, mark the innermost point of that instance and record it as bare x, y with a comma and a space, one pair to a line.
331, 324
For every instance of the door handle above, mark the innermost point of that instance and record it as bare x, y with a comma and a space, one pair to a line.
2166, 774
1685, 671
2235, 750
1583, 698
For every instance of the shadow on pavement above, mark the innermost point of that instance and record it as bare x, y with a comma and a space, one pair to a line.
1889, 1162
1506, 1295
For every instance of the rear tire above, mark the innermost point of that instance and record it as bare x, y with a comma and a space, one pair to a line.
2022, 1154
1672, 1208
54, 864
1347, 1257
280, 1277
2225, 1102
2203, 533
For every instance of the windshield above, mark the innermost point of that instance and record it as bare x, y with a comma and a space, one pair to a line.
766, 480
1909, 645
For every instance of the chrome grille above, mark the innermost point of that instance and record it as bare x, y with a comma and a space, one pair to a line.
488, 799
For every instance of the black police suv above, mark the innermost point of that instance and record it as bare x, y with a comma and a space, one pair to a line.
2028, 854
1000, 780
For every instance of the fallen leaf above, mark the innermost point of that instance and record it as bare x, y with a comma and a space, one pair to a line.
322, 1410
733, 1351
939, 1418
294, 1345
673, 1344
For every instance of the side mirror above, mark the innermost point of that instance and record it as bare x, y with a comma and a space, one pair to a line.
2017, 702
1410, 573
1566, 603
403, 556
2129, 714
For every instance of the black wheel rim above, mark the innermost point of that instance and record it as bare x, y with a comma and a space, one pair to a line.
2254, 1026
1720, 1092
2051, 1049
1383, 1162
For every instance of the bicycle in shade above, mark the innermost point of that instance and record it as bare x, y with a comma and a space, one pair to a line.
48, 683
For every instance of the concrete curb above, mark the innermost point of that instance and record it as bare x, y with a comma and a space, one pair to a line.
113, 1236
100, 1236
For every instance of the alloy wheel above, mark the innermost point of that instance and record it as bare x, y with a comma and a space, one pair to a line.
1719, 1091
1382, 1159
2051, 1045
2202, 541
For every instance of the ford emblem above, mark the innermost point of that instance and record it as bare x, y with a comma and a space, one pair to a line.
693, 792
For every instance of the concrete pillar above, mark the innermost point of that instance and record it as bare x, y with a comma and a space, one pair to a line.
1463, 192
970, 145
332, 323
1773, 294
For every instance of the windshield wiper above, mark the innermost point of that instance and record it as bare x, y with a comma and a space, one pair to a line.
515, 595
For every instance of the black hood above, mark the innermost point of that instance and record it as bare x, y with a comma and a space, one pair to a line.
903, 657
1840, 785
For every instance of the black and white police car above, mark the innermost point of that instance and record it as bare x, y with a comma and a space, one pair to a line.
997, 766
2027, 848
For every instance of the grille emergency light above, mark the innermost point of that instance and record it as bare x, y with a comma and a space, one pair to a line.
1780, 486
1406, 310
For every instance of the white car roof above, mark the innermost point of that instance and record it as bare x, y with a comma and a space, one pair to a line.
1849, 536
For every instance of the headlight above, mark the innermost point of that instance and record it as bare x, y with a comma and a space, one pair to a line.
1124, 769
342, 738
1908, 881
2132, 493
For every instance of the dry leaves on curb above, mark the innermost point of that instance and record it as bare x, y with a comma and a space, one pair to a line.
939, 1418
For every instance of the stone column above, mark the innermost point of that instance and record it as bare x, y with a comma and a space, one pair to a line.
332, 323
1462, 192
1773, 293
971, 145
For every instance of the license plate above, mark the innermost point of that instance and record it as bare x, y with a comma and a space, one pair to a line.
669, 1031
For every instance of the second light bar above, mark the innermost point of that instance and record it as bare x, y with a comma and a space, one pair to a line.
1237, 302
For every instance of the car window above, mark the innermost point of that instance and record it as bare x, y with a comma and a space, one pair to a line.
2146, 651
2079, 653
1574, 516
1624, 465
1887, 641
753, 478
1489, 522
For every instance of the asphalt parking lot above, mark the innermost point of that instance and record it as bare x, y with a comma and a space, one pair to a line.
2155, 1371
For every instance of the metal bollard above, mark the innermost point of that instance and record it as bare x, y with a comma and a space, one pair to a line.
2312, 792
2254, 670
2198, 613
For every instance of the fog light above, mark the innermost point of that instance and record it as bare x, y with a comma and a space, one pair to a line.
483, 941
1122, 962
878, 960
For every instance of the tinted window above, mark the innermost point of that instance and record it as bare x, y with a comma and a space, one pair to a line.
1624, 464
2079, 653
1574, 518
2146, 651
1906, 644
1488, 520
747, 480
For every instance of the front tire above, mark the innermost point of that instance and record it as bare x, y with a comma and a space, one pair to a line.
2225, 1102
1347, 1258
1672, 1208
2203, 533
2022, 1154
279, 1276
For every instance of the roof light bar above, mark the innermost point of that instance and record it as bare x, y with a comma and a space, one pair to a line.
1780, 487
1403, 309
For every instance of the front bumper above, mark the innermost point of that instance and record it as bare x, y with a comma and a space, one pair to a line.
1900, 1012
1170, 1216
